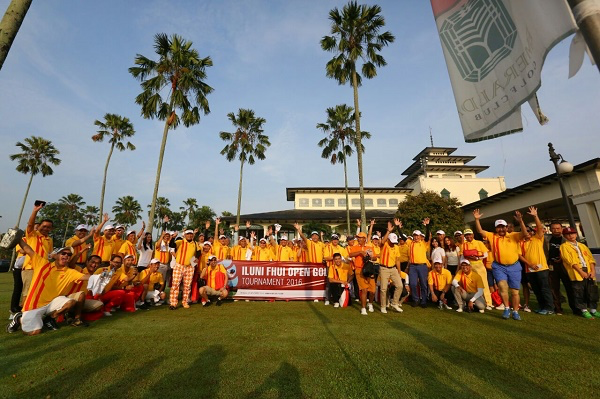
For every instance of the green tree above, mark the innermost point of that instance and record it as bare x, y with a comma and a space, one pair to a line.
316, 226
71, 205
91, 215
180, 72
189, 206
246, 143
445, 213
56, 212
201, 215
117, 128
163, 208
127, 211
36, 157
10, 24
339, 142
355, 35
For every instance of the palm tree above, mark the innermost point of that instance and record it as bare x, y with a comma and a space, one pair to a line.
117, 128
188, 208
90, 215
70, 205
10, 24
246, 143
162, 209
355, 34
127, 211
178, 73
37, 156
338, 144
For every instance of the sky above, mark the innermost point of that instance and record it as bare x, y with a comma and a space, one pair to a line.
69, 67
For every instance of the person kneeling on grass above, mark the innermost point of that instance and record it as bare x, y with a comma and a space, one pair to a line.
340, 274
215, 276
46, 295
468, 286
152, 281
439, 281
581, 266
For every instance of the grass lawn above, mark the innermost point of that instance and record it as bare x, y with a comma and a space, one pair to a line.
303, 350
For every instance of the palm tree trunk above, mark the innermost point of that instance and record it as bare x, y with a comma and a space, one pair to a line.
347, 203
10, 24
361, 190
65, 236
24, 201
239, 207
161, 155
104, 181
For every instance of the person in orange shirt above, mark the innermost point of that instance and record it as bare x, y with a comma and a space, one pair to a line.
153, 283
104, 244
366, 285
314, 246
220, 246
77, 242
440, 281
506, 266
183, 269
162, 252
216, 282
468, 286
118, 237
46, 296
476, 252
128, 247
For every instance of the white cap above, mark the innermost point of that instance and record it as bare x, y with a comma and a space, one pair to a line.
129, 232
188, 231
335, 237
210, 257
241, 238
262, 239
376, 237
440, 232
222, 236
120, 227
500, 222
463, 260
458, 232
418, 232
154, 260
393, 238
283, 238
314, 232
81, 227
109, 227
437, 259
129, 256
207, 243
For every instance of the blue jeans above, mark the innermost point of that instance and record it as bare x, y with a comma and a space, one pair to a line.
417, 273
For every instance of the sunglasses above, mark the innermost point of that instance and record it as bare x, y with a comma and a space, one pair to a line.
64, 254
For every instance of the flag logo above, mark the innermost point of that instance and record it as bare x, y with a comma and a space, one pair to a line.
478, 36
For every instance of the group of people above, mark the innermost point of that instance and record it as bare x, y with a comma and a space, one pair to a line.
127, 271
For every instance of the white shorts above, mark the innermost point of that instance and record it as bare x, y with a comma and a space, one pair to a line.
32, 320
153, 296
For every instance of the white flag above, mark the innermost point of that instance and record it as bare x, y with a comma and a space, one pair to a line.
494, 51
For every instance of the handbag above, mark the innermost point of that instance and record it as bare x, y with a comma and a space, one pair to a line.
496, 298
370, 269
345, 297
470, 252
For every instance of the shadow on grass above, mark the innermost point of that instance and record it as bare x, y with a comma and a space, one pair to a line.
503, 379
361, 376
200, 380
285, 381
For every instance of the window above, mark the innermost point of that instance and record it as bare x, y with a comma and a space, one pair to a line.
303, 202
393, 202
369, 202
342, 202
329, 202
317, 202
355, 202
445, 193
381, 202
483, 194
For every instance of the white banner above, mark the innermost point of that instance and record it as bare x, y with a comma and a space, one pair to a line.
494, 51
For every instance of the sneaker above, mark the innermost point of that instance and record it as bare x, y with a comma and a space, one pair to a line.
506, 314
515, 315
11, 316
171, 307
79, 323
447, 307
543, 312
219, 302
550, 312
526, 309
326, 303
139, 303
185, 305
501, 307
481, 311
595, 314
207, 303
459, 310
336, 305
51, 324
383, 310
363, 311
370, 306
159, 303
440, 305
587, 314
397, 308
488, 308
107, 314
15, 323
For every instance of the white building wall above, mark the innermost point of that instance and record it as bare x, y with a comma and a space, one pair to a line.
465, 189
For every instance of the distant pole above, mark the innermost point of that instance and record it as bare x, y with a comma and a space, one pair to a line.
555, 158
430, 136
590, 29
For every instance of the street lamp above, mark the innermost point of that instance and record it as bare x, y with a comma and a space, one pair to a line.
562, 168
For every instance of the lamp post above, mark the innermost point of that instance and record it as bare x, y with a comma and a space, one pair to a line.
562, 168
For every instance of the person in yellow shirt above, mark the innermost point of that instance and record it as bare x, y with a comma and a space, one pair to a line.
328, 251
104, 243
439, 281
418, 264
39, 239
581, 266
183, 270
46, 297
118, 237
534, 262
389, 270
476, 252
262, 253
162, 252
467, 286
403, 251
281, 251
314, 246
128, 247
220, 246
216, 282
294, 253
506, 266
153, 283
241, 251
339, 276
77, 242
366, 285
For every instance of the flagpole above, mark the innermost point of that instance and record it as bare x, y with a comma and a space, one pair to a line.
590, 29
